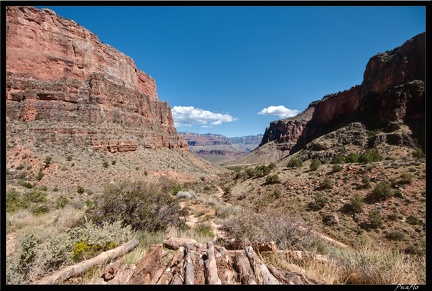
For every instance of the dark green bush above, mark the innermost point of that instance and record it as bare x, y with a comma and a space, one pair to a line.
326, 183
356, 204
418, 153
320, 200
314, 165
382, 191
142, 205
395, 235
337, 159
369, 156
375, 220
336, 168
352, 158
294, 163
61, 202
272, 179
80, 189
366, 182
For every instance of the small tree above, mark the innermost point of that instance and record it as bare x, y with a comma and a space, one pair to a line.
382, 191
314, 165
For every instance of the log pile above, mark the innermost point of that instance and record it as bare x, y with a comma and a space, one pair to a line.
198, 264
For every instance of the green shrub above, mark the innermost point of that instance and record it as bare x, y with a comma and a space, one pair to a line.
395, 235
356, 204
352, 158
406, 178
295, 163
204, 229
336, 168
320, 200
382, 191
413, 220
176, 189
36, 196
113, 163
20, 167
15, 201
39, 176
314, 165
40, 209
326, 183
61, 202
47, 161
142, 205
418, 153
366, 182
105, 164
337, 159
69, 158
369, 156
273, 179
375, 220
207, 188
80, 189
25, 184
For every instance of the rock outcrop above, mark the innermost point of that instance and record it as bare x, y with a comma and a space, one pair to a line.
392, 94
70, 87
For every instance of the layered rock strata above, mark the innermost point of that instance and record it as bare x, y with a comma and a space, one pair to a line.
68, 86
392, 94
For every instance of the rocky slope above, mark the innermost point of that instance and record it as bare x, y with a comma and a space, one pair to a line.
390, 96
69, 87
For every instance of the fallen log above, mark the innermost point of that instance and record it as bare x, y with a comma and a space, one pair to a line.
242, 266
210, 266
189, 266
261, 272
148, 267
168, 275
291, 278
59, 276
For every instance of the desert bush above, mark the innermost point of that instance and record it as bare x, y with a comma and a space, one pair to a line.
314, 165
295, 163
413, 220
61, 202
39, 175
337, 159
47, 161
395, 235
113, 162
15, 201
320, 200
38, 257
326, 183
69, 158
204, 229
105, 164
406, 178
36, 196
382, 191
356, 204
418, 153
366, 182
369, 156
25, 184
207, 188
253, 228
352, 158
80, 189
142, 205
336, 168
272, 179
375, 220
40, 209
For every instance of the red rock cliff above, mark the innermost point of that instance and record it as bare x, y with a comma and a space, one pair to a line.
392, 92
69, 86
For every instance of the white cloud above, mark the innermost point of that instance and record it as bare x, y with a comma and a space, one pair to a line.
280, 111
189, 115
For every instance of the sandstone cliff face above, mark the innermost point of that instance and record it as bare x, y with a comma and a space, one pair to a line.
70, 87
391, 94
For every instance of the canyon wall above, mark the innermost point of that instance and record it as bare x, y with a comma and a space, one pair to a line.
392, 93
68, 86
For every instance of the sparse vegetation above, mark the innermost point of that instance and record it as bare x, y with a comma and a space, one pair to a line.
382, 191
314, 165
295, 163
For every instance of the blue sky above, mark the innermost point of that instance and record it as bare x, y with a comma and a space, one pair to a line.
231, 70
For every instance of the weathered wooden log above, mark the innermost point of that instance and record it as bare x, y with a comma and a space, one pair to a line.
148, 267
59, 276
189, 266
262, 274
210, 266
242, 266
291, 278
225, 270
174, 243
168, 275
